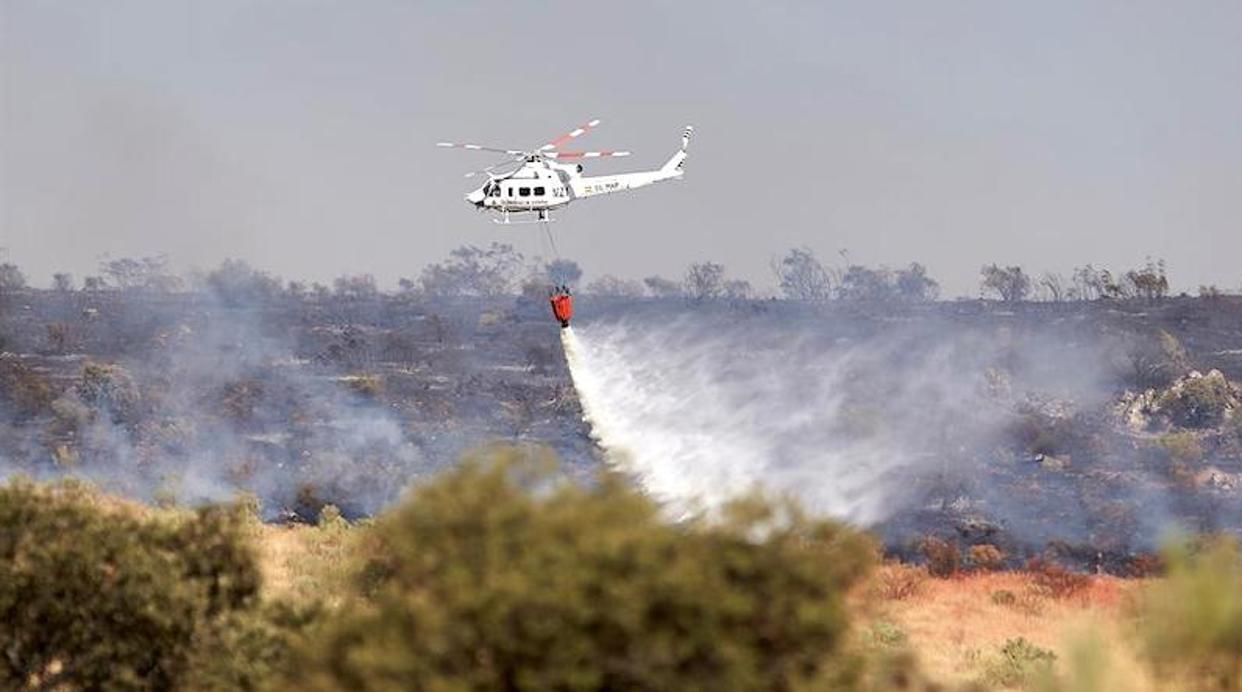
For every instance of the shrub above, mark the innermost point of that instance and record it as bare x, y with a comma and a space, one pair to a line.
23, 391
986, 556
496, 576
365, 386
1145, 565
897, 582
1019, 662
943, 557
101, 598
109, 389
1192, 620
1055, 581
1004, 597
887, 634
1183, 447
1200, 402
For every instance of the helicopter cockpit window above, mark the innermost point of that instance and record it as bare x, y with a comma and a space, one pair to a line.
539, 192
524, 191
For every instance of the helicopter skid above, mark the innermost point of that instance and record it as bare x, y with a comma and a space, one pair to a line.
508, 220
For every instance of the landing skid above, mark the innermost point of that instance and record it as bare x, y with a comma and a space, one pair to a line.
508, 220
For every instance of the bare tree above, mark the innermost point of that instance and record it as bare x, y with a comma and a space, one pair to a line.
1011, 284
1149, 281
1052, 285
1090, 283
704, 280
801, 276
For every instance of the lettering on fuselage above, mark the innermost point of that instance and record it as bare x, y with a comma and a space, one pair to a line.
601, 187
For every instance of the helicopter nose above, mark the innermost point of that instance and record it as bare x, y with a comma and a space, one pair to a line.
475, 197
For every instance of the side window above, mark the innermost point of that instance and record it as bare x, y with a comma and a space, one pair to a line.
524, 191
539, 192
510, 192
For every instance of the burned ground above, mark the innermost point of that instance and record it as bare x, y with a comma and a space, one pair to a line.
328, 399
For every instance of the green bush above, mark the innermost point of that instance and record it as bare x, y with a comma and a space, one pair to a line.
1192, 620
96, 596
497, 576
1202, 402
1019, 663
1183, 447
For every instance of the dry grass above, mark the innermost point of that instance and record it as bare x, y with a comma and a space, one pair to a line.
955, 626
305, 563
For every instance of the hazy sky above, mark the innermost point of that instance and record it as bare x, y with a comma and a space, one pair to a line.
298, 134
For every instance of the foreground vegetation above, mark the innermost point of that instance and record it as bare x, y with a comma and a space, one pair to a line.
500, 575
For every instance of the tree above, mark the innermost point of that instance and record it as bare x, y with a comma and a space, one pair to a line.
867, 284
356, 287
661, 287
143, 273
1090, 283
609, 285
1149, 281
1010, 284
563, 272
801, 276
96, 598
704, 280
738, 289
62, 282
497, 576
11, 277
471, 270
237, 283
1053, 287
913, 284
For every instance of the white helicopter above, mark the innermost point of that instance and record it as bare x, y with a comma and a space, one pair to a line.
539, 182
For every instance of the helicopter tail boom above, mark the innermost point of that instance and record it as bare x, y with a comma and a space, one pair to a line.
673, 169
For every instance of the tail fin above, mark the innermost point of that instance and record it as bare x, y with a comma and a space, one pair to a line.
676, 165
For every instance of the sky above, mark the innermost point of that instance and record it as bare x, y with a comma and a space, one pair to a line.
299, 134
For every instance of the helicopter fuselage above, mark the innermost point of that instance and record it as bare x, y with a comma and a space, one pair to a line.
535, 186
541, 183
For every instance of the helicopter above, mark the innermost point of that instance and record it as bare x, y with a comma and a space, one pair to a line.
543, 179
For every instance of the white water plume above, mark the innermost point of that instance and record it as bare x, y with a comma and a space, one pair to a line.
701, 413
848, 417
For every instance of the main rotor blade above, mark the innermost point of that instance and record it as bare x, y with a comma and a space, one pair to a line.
569, 135
583, 154
477, 147
490, 170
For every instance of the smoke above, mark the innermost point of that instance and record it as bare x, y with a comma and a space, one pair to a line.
222, 405
861, 418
